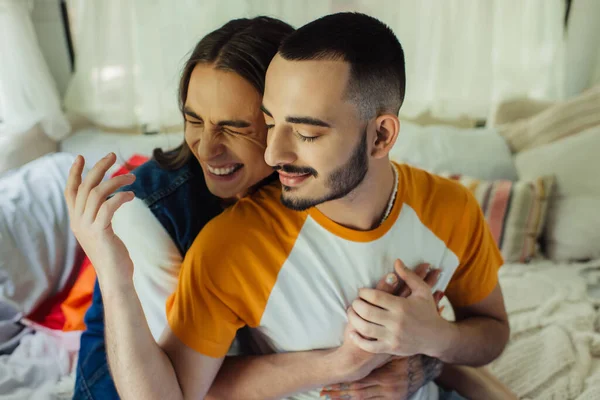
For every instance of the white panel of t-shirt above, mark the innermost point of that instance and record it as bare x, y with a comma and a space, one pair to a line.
156, 260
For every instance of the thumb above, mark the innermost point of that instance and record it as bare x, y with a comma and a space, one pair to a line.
411, 279
389, 283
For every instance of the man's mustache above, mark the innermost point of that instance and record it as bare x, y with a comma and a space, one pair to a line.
292, 169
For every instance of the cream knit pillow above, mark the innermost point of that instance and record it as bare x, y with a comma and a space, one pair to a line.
556, 122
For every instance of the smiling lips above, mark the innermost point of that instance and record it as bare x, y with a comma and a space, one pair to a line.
291, 179
224, 171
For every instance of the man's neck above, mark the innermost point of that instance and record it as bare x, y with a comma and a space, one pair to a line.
364, 208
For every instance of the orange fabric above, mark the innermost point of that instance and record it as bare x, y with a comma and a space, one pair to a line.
211, 304
79, 299
469, 236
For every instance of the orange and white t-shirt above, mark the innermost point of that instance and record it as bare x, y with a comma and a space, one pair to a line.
291, 275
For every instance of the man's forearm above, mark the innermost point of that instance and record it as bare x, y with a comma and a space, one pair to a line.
140, 368
475, 341
275, 376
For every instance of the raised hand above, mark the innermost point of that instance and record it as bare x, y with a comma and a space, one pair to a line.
91, 213
390, 324
361, 362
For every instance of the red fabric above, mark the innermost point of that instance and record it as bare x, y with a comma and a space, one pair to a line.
66, 309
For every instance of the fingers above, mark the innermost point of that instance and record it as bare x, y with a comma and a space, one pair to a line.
92, 179
98, 195
421, 271
433, 277
371, 346
110, 206
365, 328
369, 392
389, 283
369, 312
358, 385
412, 280
73, 182
378, 298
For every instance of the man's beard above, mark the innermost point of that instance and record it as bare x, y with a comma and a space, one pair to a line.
341, 182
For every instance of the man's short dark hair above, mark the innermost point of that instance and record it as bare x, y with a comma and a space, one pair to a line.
377, 77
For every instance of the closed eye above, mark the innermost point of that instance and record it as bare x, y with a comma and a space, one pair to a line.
305, 138
199, 122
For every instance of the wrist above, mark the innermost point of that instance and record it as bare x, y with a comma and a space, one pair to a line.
350, 366
340, 366
446, 335
113, 284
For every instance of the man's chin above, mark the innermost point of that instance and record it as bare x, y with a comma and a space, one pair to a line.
293, 201
296, 203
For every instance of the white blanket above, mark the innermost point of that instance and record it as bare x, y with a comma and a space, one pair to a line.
37, 248
554, 351
35, 369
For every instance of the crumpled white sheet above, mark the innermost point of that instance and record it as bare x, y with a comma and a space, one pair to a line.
38, 251
34, 370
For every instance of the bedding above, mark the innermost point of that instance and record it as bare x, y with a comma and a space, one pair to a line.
37, 248
481, 153
514, 211
93, 144
17, 149
558, 121
572, 231
554, 348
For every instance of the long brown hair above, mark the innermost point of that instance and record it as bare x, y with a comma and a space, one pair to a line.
244, 46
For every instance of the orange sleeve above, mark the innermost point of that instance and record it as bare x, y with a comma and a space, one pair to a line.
479, 257
229, 271
198, 313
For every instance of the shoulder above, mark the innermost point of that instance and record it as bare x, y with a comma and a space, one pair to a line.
257, 227
179, 199
445, 207
432, 196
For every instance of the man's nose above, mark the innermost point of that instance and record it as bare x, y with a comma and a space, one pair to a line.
280, 148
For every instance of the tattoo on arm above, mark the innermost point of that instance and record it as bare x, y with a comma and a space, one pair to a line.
432, 367
421, 370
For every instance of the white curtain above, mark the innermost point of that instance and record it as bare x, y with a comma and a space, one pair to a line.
129, 53
462, 56
28, 93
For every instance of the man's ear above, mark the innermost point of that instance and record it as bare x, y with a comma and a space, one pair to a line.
387, 127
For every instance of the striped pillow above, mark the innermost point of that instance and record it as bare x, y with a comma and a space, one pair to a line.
514, 211
555, 122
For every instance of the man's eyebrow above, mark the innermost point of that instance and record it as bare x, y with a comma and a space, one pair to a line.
264, 109
300, 120
308, 121
237, 123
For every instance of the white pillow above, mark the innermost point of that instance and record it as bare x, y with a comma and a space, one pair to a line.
37, 248
17, 149
573, 224
480, 153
